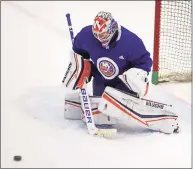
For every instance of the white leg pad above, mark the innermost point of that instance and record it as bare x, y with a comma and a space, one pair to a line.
74, 111
72, 107
150, 114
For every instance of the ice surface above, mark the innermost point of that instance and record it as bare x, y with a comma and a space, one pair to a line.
35, 47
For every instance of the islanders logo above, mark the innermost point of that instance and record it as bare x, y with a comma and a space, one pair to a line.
107, 67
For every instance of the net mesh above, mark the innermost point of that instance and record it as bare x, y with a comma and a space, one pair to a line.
175, 41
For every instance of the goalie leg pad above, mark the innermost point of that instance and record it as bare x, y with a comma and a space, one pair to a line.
72, 107
74, 111
124, 106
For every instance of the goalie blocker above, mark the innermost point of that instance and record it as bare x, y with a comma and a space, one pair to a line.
78, 72
114, 104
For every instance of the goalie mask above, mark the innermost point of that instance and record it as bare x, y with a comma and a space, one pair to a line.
104, 27
78, 72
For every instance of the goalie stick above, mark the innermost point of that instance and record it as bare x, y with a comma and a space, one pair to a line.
85, 102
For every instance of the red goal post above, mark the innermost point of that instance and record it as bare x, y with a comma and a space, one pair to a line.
172, 41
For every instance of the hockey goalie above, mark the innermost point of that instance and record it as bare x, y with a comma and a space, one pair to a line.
116, 61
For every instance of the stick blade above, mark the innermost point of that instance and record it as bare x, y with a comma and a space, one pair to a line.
107, 133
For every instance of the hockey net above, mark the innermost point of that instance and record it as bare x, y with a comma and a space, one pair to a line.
172, 41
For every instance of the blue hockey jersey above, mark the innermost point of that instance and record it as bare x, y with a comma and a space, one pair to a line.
127, 52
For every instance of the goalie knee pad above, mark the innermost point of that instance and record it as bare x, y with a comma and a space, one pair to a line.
78, 72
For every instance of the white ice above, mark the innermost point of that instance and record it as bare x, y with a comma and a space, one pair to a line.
35, 46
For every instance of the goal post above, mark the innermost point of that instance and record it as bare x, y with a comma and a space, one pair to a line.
172, 41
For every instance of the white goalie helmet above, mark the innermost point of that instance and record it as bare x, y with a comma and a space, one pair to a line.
104, 28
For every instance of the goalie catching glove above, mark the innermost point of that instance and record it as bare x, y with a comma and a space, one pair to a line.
78, 72
136, 80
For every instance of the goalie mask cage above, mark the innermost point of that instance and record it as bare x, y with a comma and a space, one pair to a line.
172, 41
